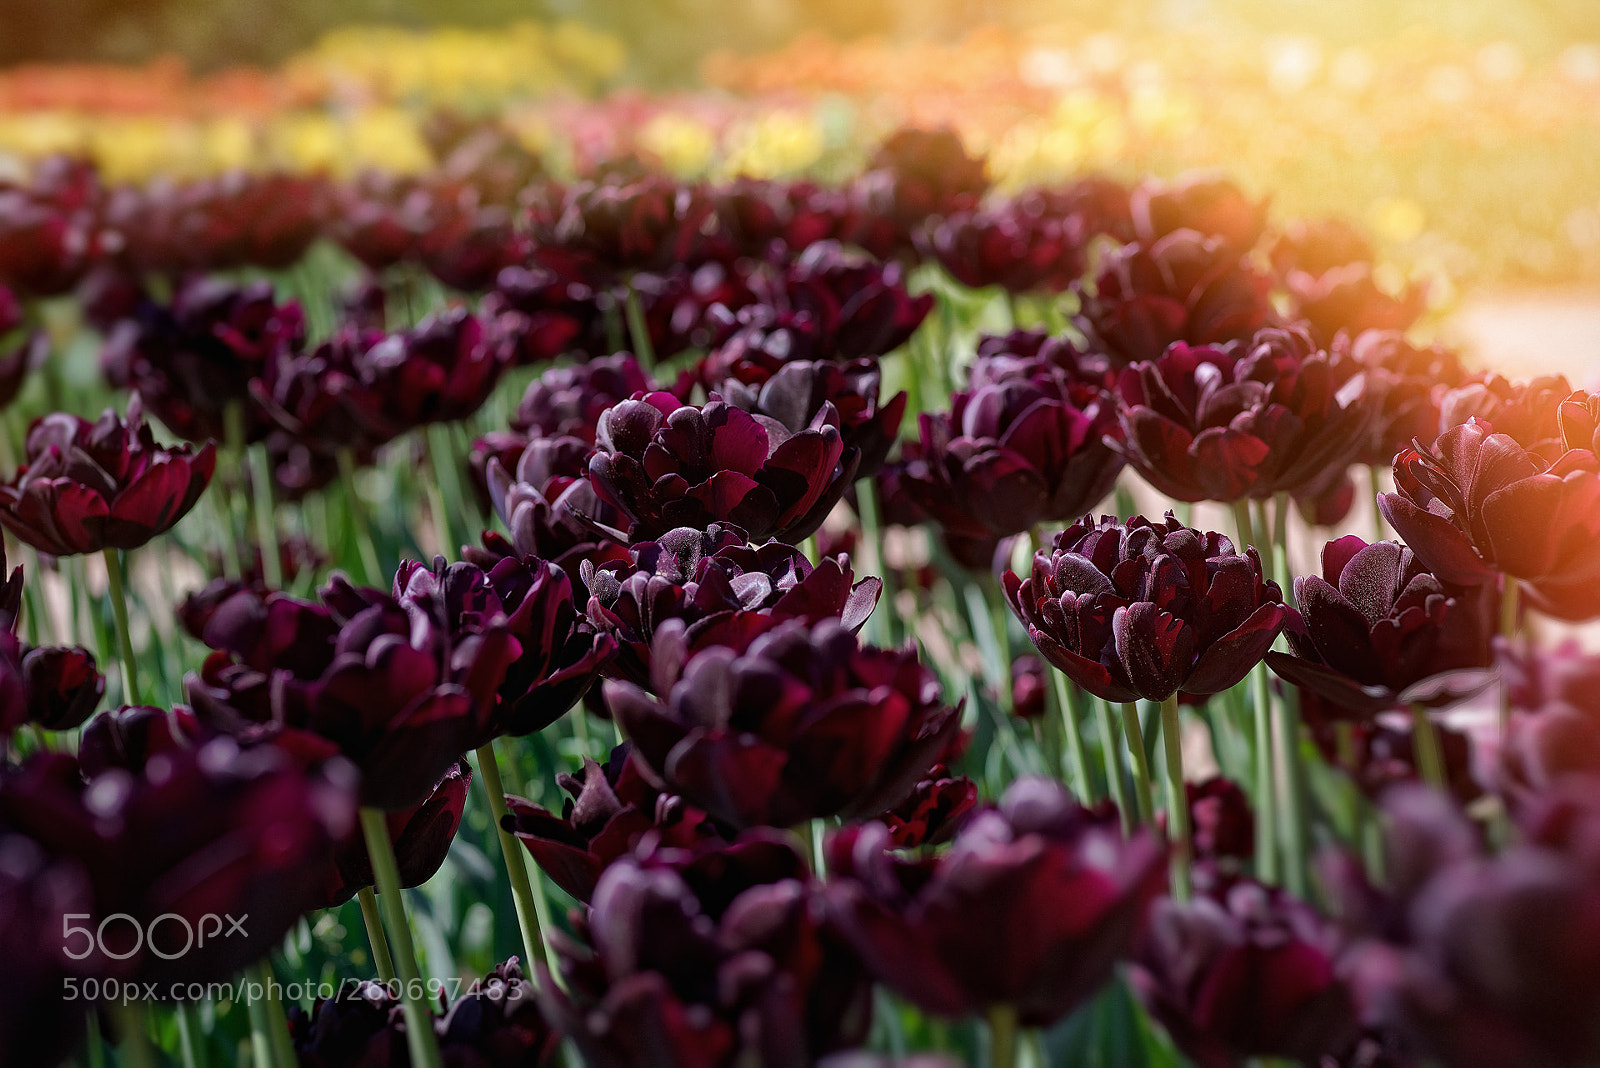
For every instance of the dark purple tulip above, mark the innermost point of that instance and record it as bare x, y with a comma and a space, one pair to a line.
1379, 752
400, 688
1019, 247
933, 810
1223, 423
130, 736
542, 313
496, 1023
1202, 201
723, 590
1382, 632
557, 655
468, 241
1530, 412
211, 830
709, 959
38, 893
568, 401
14, 704
420, 838
1483, 961
667, 464
189, 361
858, 305
1031, 906
1318, 245
1029, 684
1224, 825
804, 723
48, 232
609, 810
1477, 503
793, 394
625, 226
1023, 445
88, 486
1554, 733
1347, 300
302, 393
1405, 383
1579, 418
1142, 609
1244, 971
552, 511
63, 686
1184, 287
914, 174
440, 371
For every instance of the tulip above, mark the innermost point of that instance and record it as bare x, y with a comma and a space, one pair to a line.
1018, 247
933, 811
803, 723
40, 897
1381, 752
543, 313
1245, 971
1141, 609
48, 233
1224, 826
716, 956
1347, 300
87, 487
1381, 632
609, 810
1183, 287
1318, 245
130, 736
63, 686
1554, 730
1202, 201
1579, 419
724, 591
420, 837
1404, 383
1030, 907
1254, 420
668, 465
31, 349
625, 226
1530, 412
1025, 443
568, 401
1477, 503
439, 372
916, 173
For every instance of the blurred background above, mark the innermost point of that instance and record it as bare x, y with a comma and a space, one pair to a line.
1463, 134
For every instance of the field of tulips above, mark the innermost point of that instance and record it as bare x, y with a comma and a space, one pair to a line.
632, 620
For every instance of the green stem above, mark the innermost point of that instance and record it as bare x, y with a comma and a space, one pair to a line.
1289, 775
1430, 757
1266, 805
360, 522
421, 1041
266, 519
819, 858
232, 485
529, 920
1177, 800
374, 924
262, 1053
277, 1023
441, 457
119, 606
95, 1043
1280, 548
1141, 764
1112, 754
638, 329
1002, 1036
1069, 708
135, 1051
880, 625
192, 1052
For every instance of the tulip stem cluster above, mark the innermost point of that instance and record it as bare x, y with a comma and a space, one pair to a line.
119, 606
1430, 758
1179, 831
1067, 704
1141, 763
1108, 746
421, 1041
374, 924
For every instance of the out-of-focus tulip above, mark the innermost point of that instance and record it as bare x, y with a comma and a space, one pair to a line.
1405, 383
1142, 609
1478, 504
88, 486
1031, 906
1202, 201
441, 371
933, 810
1224, 826
420, 838
1013, 247
1579, 418
712, 957
1529, 412
804, 723
40, 897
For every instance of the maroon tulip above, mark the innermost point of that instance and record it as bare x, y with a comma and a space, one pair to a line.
1404, 386
49, 234
794, 393
626, 226
1142, 609
916, 173
441, 371
1579, 418
192, 360
1554, 732
1254, 420
1224, 825
1244, 971
552, 511
1477, 503
1347, 300
233, 220
302, 392
1479, 960
1024, 444
394, 686
712, 957
933, 810
1202, 201
215, 830
667, 464
804, 723
609, 810
544, 313
1381, 632
1028, 686
1019, 247
468, 240
568, 401
63, 686
1031, 906
1530, 412
556, 655
420, 838
1379, 752
1318, 245
496, 1023
723, 590
130, 736
103, 485
1184, 287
